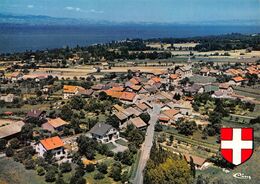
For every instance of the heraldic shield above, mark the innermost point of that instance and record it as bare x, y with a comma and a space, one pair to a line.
237, 144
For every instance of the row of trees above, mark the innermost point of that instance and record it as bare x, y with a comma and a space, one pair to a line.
165, 167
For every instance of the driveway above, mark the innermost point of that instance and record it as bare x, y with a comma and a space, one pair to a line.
148, 143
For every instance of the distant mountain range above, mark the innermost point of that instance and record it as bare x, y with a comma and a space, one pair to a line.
47, 20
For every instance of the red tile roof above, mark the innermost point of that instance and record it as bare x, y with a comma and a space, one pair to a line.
57, 122
174, 76
170, 113
52, 143
129, 96
119, 88
238, 79
134, 81
156, 79
69, 89
135, 87
115, 94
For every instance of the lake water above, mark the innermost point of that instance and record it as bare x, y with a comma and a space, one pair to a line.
20, 38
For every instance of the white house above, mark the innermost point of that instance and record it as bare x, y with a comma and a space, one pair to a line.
7, 98
54, 145
103, 132
69, 91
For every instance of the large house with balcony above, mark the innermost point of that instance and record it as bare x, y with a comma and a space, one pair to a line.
103, 133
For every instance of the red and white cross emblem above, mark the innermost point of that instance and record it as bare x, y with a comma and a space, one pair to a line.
237, 144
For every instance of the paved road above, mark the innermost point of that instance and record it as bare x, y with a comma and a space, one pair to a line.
146, 147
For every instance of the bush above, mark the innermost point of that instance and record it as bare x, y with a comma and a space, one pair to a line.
9, 152
102, 167
158, 127
14, 143
50, 176
40, 171
90, 168
99, 176
65, 167
115, 171
29, 164
145, 117
132, 148
125, 177
110, 153
3, 143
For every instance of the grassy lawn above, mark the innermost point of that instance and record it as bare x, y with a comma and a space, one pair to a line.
14, 173
91, 180
122, 142
110, 146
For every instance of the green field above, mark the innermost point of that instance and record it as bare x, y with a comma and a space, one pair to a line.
12, 172
249, 92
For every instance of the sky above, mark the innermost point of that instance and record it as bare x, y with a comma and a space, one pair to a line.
138, 10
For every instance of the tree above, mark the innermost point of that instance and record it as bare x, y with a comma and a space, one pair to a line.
48, 157
136, 136
14, 143
219, 107
65, 167
114, 121
99, 176
256, 120
115, 171
77, 102
201, 180
29, 164
90, 168
124, 177
3, 143
27, 132
127, 158
102, 167
9, 152
40, 171
66, 112
60, 180
192, 167
87, 147
103, 95
164, 166
50, 176
171, 138
158, 127
187, 127
145, 117
177, 96
38, 93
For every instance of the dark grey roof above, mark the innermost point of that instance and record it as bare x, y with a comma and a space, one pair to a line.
35, 113
100, 129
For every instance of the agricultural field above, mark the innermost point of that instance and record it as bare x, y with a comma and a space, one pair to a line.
250, 168
13, 173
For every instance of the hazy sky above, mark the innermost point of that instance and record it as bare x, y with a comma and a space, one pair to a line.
138, 10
